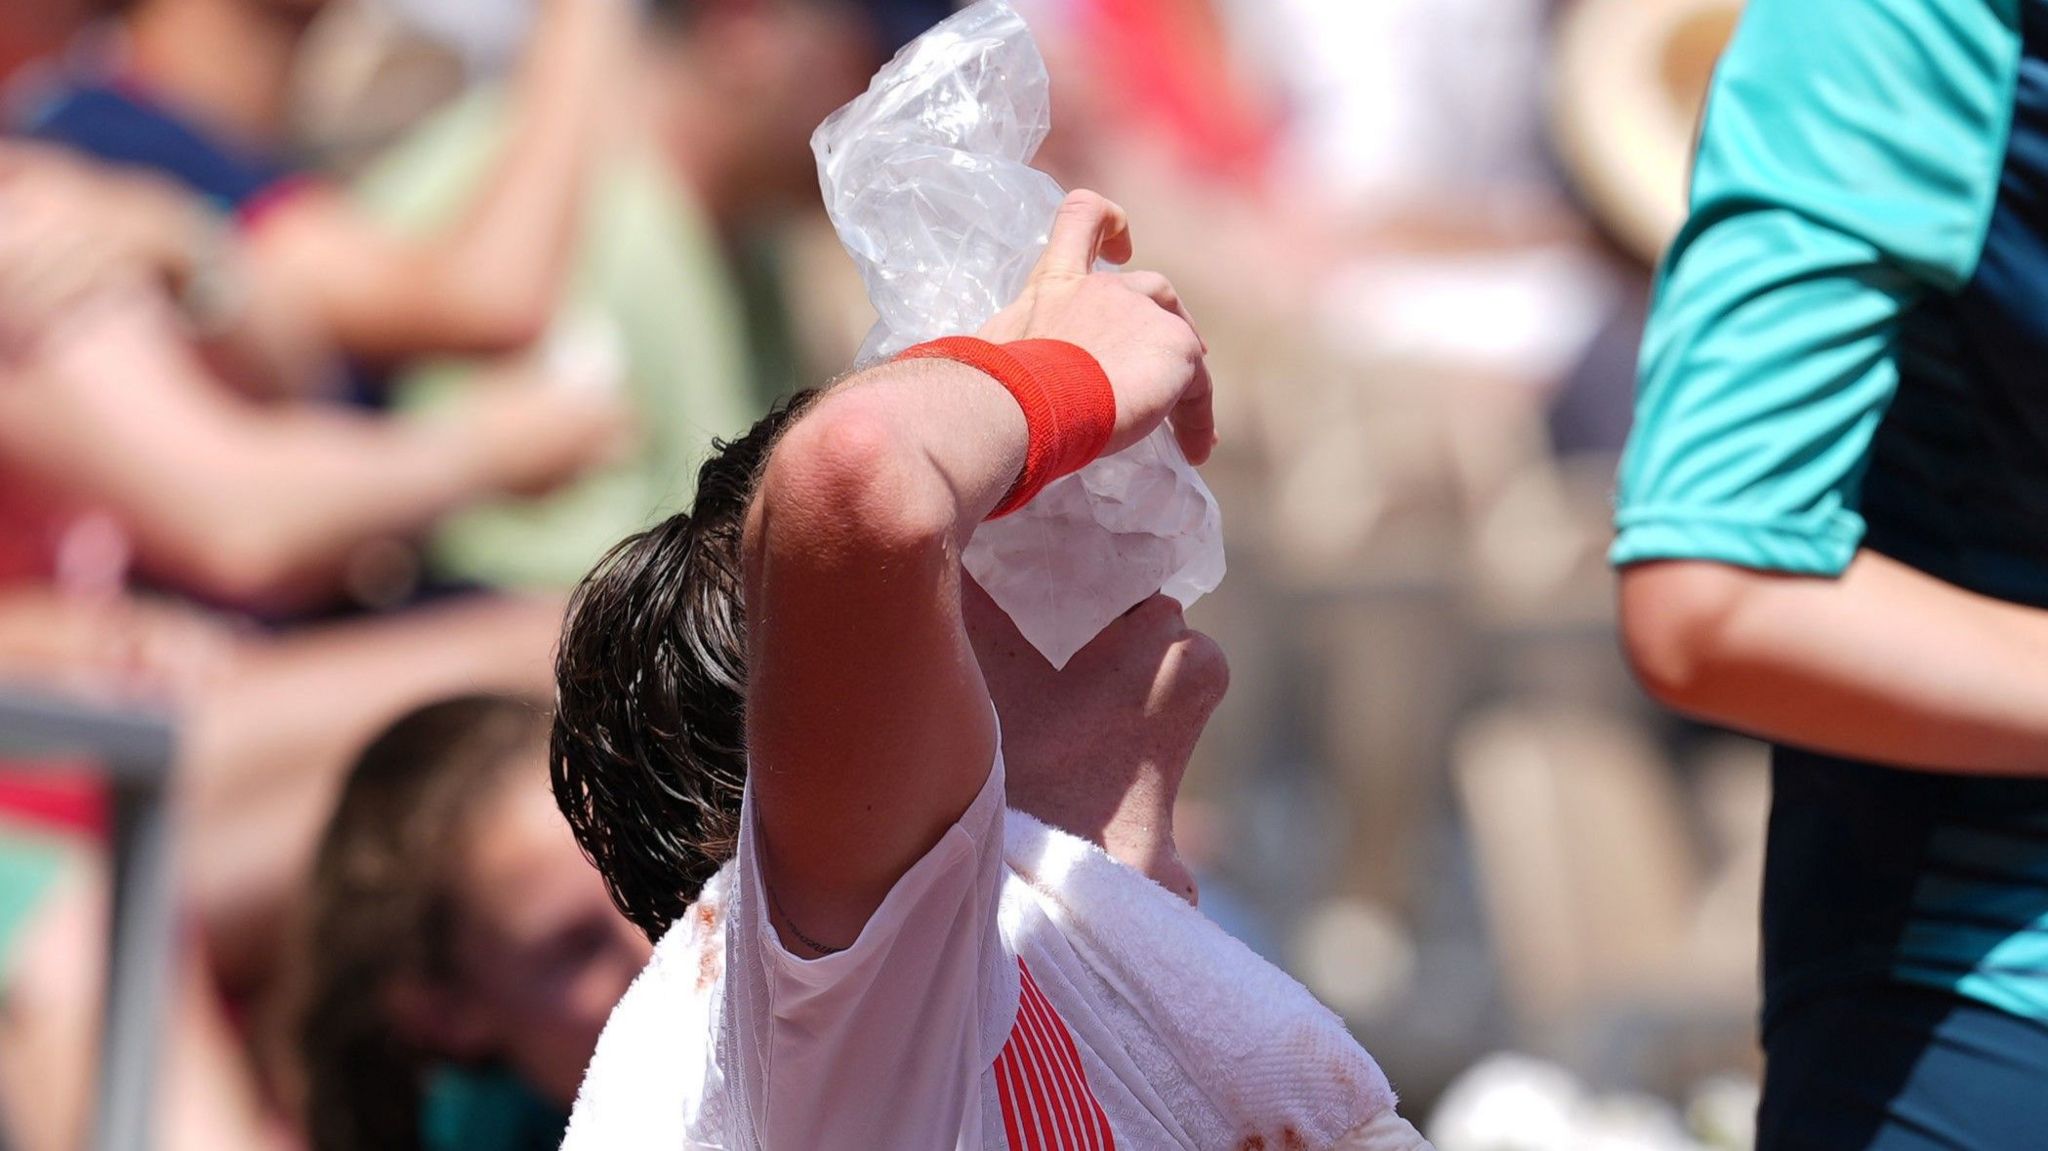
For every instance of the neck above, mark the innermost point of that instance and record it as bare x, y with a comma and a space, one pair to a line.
1140, 835
228, 61
1128, 814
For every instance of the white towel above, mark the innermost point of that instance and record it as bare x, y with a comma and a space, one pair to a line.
654, 1079
1242, 1055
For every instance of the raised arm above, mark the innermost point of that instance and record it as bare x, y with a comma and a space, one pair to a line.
869, 726
247, 501
490, 283
1847, 171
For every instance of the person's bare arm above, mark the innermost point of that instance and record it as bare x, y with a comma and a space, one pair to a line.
489, 283
266, 342
1883, 664
242, 500
1783, 330
869, 725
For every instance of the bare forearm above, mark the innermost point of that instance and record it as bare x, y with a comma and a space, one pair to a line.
853, 604
1884, 664
488, 283
265, 522
514, 243
334, 480
853, 546
869, 724
237, 498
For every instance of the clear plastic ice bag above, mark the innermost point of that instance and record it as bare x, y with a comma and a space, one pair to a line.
928, 180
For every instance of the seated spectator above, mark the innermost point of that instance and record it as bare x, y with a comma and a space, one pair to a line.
119, 452
250, 704
461, 955
53, 947
709, 149
196, 91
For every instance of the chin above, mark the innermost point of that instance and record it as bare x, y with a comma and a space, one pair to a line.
1175, 876
1198, 668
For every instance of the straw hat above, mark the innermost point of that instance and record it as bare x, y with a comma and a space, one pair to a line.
1629, 80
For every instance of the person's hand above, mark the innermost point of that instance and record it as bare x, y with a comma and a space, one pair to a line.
157, 220
52, 265
175, 651
1133, 323
118, 645
530, 438
145, 217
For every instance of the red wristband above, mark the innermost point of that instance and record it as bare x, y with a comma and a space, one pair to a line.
1069, 408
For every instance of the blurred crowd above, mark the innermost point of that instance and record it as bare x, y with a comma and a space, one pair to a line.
339, 338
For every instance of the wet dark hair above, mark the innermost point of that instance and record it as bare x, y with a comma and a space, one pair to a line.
649, 748
382, 909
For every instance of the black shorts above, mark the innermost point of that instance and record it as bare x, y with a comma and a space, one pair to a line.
1896, 1068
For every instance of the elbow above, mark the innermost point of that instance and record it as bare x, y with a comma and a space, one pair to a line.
242, 567
1664, 666
502, 325
1673, 619
515, 325
481, 310
847, 487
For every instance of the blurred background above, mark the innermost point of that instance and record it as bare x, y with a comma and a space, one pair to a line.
339, 339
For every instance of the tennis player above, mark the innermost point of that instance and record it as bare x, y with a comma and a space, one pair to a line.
789, 728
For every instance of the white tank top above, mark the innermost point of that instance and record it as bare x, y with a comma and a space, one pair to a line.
1018, 990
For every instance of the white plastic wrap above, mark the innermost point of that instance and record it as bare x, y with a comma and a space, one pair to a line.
927, 178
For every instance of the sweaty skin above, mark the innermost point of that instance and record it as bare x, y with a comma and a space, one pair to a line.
1114, 792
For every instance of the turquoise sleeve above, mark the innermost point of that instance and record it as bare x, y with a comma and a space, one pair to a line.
1848, 166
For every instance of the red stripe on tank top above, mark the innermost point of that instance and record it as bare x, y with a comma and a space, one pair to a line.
1041, 1083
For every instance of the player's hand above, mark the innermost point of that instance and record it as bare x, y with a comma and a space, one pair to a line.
1133, 323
